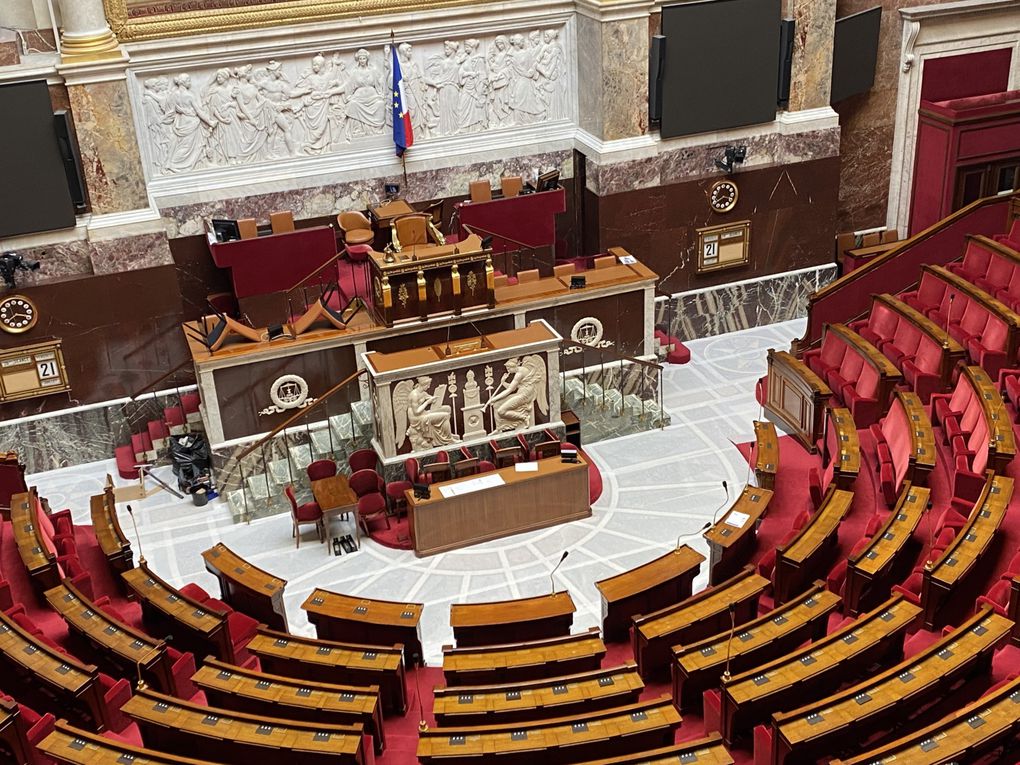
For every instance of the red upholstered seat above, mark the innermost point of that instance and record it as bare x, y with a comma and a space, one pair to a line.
309, 512
903, 344
911, 587
923, 371
195, 592
998, 273
182, 668
370, 507
321, 469
396, 493
366, 481
712, 709
115, 695
762, 737
974, 263
875, 523
124, 456
363, 459
242, 629
39, 727
997, 597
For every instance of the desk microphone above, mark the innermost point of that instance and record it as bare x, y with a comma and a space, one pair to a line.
141, 555
692, 534
729, 642
552, 582
726, 501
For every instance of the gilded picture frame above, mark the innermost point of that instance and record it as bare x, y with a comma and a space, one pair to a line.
227, 15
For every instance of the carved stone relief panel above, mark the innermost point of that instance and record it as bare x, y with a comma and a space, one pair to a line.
260, 111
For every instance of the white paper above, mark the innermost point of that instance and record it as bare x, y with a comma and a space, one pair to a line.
627, 260
486, 481
737, 518
526, 467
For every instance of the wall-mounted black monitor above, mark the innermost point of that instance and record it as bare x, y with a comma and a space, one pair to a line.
854, 52
548, 180
721, 66
34, 193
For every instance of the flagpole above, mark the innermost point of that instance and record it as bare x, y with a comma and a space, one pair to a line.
402, 145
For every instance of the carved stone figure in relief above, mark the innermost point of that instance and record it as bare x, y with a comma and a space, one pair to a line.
442, 74
191, 126
158, 119
251, 108
321, 85
549, 68
366, 108
229, 133
524, 101
500, 77
423, 118
474, 88
421, 416
281, 102
523, 385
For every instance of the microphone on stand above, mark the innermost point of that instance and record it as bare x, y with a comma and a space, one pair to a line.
930, 563
726, 501
141, 556
729, 642
552, 582
687, 536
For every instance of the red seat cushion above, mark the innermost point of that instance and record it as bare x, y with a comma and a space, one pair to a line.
309, 511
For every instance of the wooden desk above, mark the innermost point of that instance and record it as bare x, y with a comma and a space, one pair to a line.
369, 622
963, 553
847, 462
731, 541
537, 699
766, 464
259, 693
1002, 441
869, 573
75, 686
990, 304
178, 726
922, 438
803, 559
14, 733
699, 666
166, 610
813, 670
660, 582
600, 277
383, 214
111, 537
123, 649
73, 746
963, 736
544, 616
517, 662
335, 496
698, 617
618, 730
246, 587
556, 493
331, 662
888, 375
35, 550
703, 751
846, 718
432, 280
796, 397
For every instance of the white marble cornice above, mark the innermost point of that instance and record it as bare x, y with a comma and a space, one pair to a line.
615, 10
87, 72
23, 73
960, 7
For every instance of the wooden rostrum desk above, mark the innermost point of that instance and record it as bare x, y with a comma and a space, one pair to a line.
555, 493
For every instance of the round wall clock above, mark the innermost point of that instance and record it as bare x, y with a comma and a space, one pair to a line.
17, 314
723, 196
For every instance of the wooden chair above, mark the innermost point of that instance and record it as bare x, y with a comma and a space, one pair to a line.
511, 185
414, 229
321, 309
362, 459
321, 469
356, 227
564, 270
281, 222
216, 335
248, 228
500, 280
303, 515
370, 507
605, 261
531, 275
364, 482
480, 191
465, 467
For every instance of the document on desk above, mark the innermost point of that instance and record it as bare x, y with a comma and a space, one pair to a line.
526, 467
736, 518
486, 481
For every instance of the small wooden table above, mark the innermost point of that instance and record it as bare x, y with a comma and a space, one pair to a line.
335, 497
384, 214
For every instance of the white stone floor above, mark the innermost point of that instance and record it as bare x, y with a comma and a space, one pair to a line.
658, 485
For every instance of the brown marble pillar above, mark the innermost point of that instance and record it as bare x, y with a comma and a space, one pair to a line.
109, 147
812, 52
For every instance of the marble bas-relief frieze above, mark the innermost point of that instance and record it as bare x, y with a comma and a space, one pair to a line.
261, 111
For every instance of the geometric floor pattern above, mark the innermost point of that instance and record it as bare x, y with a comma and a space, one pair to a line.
657, 485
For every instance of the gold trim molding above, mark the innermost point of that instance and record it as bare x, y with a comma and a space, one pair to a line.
255, 16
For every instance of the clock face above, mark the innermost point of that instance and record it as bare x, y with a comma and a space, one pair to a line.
723, 196
17, 314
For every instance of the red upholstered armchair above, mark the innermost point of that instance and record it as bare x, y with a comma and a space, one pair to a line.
321, 469
36, 728
115, 694
303, 515
366, 481
363, 459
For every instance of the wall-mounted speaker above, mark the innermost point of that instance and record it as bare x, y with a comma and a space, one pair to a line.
656, 66
71, 158
786, 30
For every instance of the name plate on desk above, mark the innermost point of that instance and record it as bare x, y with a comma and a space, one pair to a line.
475, 484
737, 518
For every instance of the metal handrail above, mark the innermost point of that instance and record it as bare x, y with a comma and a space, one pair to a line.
302, 413
328, 263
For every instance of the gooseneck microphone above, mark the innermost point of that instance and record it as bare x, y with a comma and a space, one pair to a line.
141, 555
726, 502
692, 534
552, 582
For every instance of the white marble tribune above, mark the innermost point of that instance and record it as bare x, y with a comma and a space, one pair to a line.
658, 485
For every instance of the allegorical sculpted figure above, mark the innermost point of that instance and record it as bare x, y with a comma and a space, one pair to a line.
421, 416
190, 127
522, 386
366, 108
158, 119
